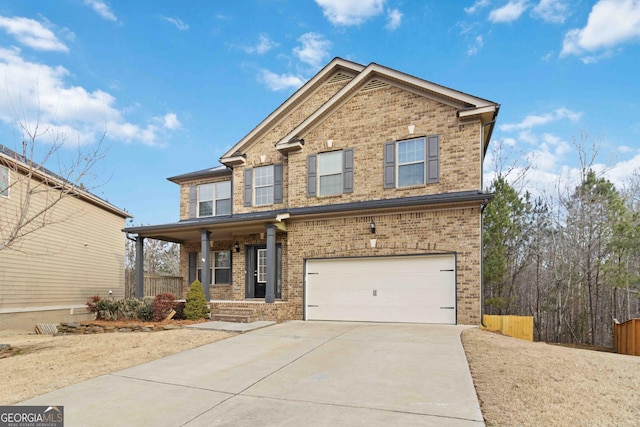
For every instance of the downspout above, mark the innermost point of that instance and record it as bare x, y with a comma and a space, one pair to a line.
483, 205
482, 208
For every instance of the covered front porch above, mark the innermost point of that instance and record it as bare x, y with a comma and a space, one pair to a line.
239, 259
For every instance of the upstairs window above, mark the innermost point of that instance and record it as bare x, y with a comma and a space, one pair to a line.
330, 173
214, 199
412, 162
411, 165
4, 181
263, 185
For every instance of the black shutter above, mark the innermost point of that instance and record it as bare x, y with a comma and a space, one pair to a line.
193, 201
193, 266
248, 186
433, 159
311, 175
277, 183
347, 170
389, 165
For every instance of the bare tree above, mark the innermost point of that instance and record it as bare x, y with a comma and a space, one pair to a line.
33, 190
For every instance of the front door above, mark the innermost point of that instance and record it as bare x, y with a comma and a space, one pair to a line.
260, 273
256, 278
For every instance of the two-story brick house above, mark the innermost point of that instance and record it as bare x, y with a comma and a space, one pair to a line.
359, 198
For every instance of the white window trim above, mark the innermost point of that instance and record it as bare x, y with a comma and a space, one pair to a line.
261, 268
341, 173
256, 186
8, 189
423, 161
212, 267
213, 200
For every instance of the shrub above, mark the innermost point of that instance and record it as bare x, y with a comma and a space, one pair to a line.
92, 305
179, 308
162, 304
197, 306
128, 308
144, 311
107, 309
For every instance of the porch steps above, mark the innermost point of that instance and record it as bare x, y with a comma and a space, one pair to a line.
233, 314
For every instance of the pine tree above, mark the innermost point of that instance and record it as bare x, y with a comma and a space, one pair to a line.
196, 306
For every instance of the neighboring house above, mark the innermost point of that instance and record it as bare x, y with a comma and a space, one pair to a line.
359, 198
47, 276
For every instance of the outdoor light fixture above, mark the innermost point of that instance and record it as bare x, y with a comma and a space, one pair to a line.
237, 247
372, 227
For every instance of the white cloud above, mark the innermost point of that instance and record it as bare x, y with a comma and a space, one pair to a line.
170, 121
619, 173
509, 12
265, 44
479, 4
177, 22
610, 23
101, 9
534, 120
39, 91
350, 12
555, 11
279, 81
474, 47
394, 19
314, 50
32, 33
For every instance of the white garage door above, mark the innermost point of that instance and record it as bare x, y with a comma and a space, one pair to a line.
418, 289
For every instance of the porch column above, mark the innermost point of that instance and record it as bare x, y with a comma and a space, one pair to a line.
270, 292
139, 292
205, 239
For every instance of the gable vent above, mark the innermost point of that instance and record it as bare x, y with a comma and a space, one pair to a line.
339, 77
374, 84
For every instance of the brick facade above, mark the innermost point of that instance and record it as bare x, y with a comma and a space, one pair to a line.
363, 120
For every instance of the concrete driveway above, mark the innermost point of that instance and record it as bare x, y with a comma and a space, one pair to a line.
291, 374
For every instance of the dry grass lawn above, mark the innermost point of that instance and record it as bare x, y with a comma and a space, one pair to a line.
45, 363
520, 383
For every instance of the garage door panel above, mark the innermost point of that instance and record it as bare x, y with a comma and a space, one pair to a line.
385, 289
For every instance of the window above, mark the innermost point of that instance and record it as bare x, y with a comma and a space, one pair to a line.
214, 199
263, 184
411, 165
4, 181
220, 267
412, 162
262, 266
330, 173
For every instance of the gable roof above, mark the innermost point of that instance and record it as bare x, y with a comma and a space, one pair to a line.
469, 107
10, 157
336, 66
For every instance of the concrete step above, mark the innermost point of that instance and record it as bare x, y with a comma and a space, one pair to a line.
240, 311
233, 318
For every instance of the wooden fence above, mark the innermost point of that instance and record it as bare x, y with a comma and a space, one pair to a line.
513, 326
626, 337
154, 285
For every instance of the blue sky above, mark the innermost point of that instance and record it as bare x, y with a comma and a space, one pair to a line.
176, 84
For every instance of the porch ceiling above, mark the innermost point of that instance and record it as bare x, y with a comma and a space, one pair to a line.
183, 234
